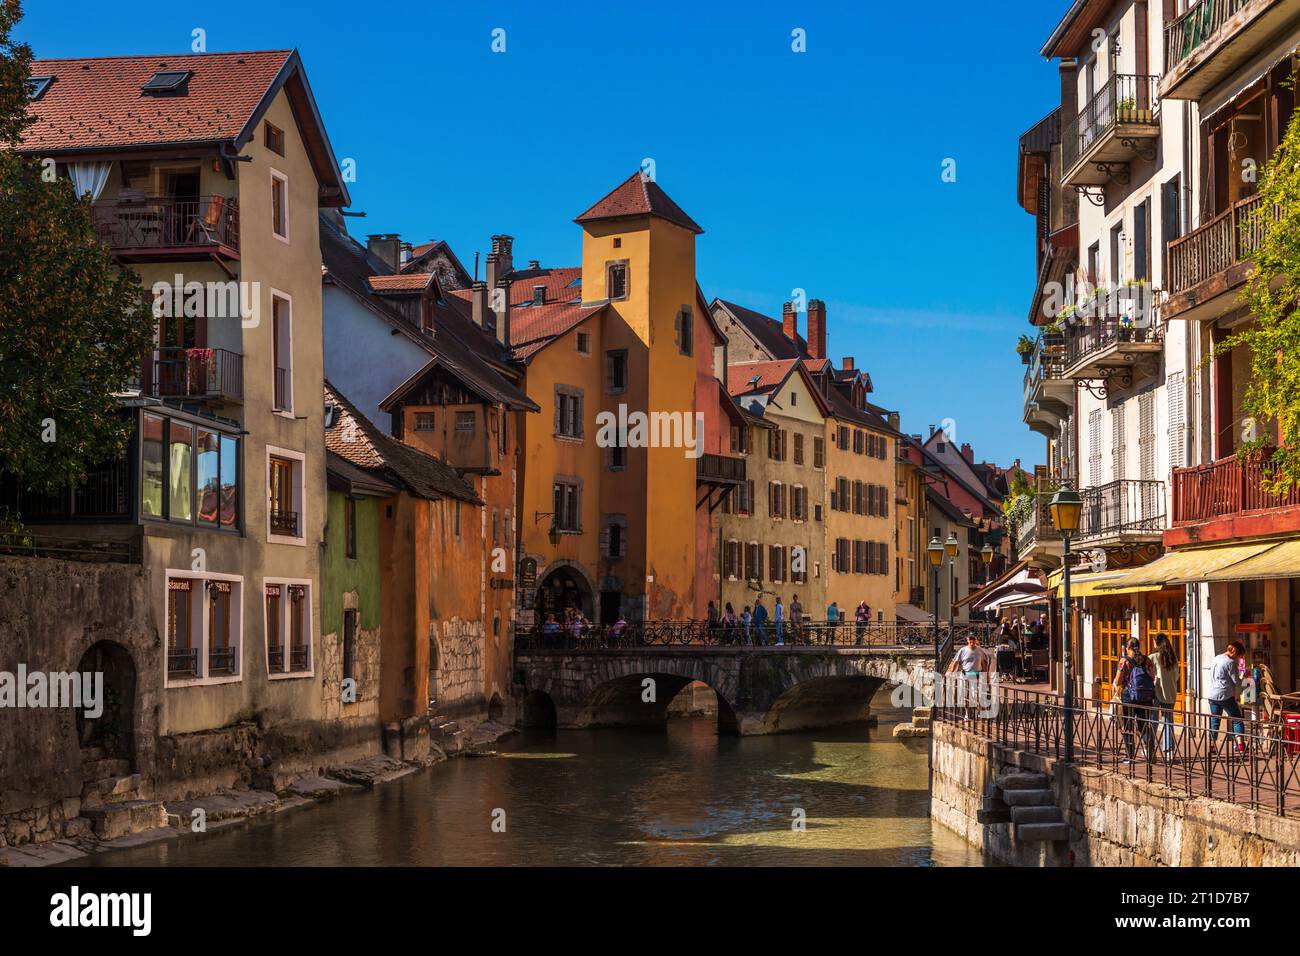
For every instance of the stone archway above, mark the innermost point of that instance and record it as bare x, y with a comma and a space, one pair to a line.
565, 586
113, 731
537, 711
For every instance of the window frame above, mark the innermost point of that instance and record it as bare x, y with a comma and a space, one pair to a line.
298, 467
283, 180
199, 619
286, 672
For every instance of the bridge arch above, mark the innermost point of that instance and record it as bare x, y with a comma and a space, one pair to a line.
642, 699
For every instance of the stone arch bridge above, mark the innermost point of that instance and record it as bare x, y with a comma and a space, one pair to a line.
761, 690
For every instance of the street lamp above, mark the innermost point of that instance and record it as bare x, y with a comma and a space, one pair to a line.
950, 548
1067, 508
986, 555
935, 551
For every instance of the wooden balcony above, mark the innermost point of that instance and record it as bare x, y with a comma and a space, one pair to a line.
1112, 346
199, 375
1119, 124
719, 470
159, 228
1215, 38
1121, 511
1207, 265
1228, 493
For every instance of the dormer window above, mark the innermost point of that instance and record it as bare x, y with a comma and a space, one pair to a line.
539, 295
274, 139
37, 85
167, 81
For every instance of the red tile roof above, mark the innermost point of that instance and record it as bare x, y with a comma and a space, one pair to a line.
639, 196
740, 377
534, 328
97, 103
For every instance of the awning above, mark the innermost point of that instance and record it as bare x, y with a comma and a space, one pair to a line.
911, 614
1014, 573
1188, 566
1088, 585
1280, 561
1038, 599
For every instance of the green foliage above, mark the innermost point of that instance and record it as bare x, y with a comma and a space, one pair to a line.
1272, 293
1025, 345
73, 326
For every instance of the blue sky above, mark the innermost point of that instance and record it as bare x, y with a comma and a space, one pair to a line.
819, 170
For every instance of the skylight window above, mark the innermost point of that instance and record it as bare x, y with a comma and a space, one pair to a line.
37, 85
576, 282
167, 81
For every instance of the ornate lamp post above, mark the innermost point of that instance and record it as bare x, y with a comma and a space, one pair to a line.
1067, 508
986, 555
935, 551
950, 549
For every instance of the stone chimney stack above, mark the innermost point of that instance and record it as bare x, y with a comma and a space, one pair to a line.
502, 310
817, 328
479, 305
503, 249
968, 453
847, 363
386, 246
790, 322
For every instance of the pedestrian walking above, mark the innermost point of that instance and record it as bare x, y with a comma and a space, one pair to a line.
712, 615
760, 622
778, 618
729, 624
747, 623
796, 620
1135, 683
1225, 685
861, 618
832, 621
1166, 678
971, 663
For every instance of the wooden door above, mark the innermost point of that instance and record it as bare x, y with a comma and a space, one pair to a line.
1110, 634
1165, 615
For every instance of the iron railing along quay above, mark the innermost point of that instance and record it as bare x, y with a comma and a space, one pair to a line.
1124, 99
1126, 505
1195, 753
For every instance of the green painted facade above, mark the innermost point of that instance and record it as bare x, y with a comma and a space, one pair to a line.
341, 574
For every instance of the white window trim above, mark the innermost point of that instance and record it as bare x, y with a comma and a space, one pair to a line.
309, 625
299, 496
237, 621
283, 412
282, 177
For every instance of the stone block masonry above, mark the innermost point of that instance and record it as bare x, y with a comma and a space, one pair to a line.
1110, 819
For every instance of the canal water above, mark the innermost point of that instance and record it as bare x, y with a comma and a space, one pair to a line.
680, 797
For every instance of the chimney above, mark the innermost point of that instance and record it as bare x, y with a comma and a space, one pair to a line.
817, 328
968, 453
503, 313
895, 421
405, 253
386, 246
790, 322
534, 264
503, 249
479, 305
848, 365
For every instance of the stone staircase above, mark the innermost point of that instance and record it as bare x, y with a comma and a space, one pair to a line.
1028, 802
113, 800
447, 734
919, 726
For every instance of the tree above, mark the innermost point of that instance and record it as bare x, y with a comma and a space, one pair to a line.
73, 325
1272, 340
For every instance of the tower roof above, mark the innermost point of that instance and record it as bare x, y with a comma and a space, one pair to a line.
639, 196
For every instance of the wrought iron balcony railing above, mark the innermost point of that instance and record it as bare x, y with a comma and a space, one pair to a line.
204, 374
183, 662
1120, 507
160, 224
222, 661
284, 522
1089, 339
1123, 100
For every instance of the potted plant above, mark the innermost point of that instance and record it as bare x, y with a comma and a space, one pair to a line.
1054, 334
1025, 349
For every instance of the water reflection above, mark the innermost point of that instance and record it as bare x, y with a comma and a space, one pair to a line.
685, 797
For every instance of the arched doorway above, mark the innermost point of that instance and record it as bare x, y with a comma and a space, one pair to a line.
563, 589
496, 708
538, 711
112, 733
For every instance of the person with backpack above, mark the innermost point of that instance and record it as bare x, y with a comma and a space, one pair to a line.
1136, 686
1166, 678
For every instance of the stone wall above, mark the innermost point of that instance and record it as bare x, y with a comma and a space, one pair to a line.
1113, 821
457, 683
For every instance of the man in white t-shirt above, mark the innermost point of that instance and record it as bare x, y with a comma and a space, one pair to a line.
972, 663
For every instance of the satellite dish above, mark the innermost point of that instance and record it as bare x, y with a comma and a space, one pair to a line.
1097, 560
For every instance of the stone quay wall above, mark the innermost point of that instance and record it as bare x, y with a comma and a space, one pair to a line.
1113, 821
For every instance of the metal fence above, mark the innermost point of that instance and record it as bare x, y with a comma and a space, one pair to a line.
588, 636
1252, 762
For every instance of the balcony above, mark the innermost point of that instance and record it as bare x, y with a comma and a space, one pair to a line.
206, 375
163, 229
1212, 261
1049, 395
1215, 38
284, 522
1120, 123
719, 470
1036, 535
1122, 511
1113, 346
1225, 499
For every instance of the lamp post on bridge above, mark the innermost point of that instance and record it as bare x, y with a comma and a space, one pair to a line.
935, 551
1067, 508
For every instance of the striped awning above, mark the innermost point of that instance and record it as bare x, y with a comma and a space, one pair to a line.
1188, 566
1280, 561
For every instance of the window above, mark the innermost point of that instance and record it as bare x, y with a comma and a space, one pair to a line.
282, 353
180, 438
859, 439
618, 242
731, 560
1094, 447
274, 138
566, 504
745, 498
1171, 220
584, 343
754, 561
616, 280
617, 457
1117, 254
288, 628
798, 449
455, 519
465, 423
37, 85
350, 526
799, 503
203, 627
166, 81
775, 499
279, 206
539, 297
284, 494
819, 453
685, 331
1094, 262
777, 562
776, 444
613, 543
1142, 240
424, 421
568, 411
843, 438
616, 371
741, 437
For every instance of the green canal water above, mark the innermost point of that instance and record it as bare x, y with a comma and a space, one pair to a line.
680, 797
